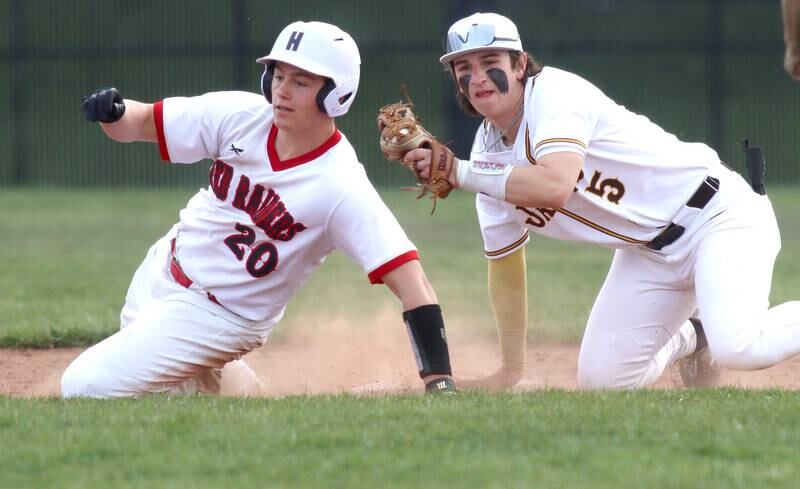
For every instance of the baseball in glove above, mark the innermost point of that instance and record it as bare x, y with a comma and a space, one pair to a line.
401, 131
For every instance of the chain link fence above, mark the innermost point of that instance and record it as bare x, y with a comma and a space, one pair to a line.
707, 70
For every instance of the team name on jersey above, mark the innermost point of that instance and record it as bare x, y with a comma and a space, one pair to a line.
263, 205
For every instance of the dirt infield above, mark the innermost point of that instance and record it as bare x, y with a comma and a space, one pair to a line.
335, 359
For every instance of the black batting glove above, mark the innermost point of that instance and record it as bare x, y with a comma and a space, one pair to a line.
104, 105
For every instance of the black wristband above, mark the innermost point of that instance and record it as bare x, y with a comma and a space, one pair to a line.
428, 339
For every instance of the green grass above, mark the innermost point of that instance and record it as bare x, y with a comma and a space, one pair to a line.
68, 256
680, 439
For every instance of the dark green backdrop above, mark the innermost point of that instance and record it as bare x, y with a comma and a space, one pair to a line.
708, 70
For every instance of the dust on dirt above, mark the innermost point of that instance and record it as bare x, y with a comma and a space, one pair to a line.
338, 357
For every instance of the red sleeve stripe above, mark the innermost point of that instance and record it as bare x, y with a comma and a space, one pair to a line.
158, 117
376, 276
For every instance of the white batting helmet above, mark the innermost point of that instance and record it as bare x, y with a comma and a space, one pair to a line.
322, 49
479, 32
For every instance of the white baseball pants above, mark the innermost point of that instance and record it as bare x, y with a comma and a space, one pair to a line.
722, 265
171, 338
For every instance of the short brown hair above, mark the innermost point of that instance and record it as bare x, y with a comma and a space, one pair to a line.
532, 67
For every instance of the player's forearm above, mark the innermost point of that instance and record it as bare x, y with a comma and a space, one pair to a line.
537, 186
549, 183
137, 124
508, 295
425, 324
791, 23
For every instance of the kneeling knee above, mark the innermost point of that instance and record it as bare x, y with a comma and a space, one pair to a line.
737, 359
609, 376
595, 379
79, 381
741, 353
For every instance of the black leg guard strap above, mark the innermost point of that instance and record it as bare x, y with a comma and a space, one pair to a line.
428, 339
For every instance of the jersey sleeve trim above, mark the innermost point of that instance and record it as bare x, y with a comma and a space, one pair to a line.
556, 145
507, 249
158, 118
559, 140
376, 276
560, 148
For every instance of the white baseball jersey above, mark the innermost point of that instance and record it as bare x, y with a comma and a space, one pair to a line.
253, 237
635, 180
635, 175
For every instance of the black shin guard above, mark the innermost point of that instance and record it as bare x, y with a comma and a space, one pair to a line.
428, 339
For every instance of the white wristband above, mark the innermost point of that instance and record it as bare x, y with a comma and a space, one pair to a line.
486, 177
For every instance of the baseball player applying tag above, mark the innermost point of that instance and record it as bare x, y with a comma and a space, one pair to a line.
695, 244
285, 190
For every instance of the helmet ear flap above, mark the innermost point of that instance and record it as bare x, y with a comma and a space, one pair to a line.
323, 92
266, 81
266, 87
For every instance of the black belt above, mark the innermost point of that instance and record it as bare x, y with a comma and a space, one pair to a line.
699, 200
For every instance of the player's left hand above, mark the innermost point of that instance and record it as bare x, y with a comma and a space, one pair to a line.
103, 105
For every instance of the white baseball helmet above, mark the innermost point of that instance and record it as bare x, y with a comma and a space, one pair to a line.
322, 49
478, 32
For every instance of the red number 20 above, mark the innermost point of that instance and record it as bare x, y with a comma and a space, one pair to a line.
263, 257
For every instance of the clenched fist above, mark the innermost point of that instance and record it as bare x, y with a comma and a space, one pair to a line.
103, 105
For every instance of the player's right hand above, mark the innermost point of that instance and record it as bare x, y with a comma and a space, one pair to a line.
103, 105
502, 380
419, 161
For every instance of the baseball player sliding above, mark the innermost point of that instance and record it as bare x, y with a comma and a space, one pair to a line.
285, 190
556, 156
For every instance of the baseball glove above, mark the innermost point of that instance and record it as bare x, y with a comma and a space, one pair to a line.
400, 132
